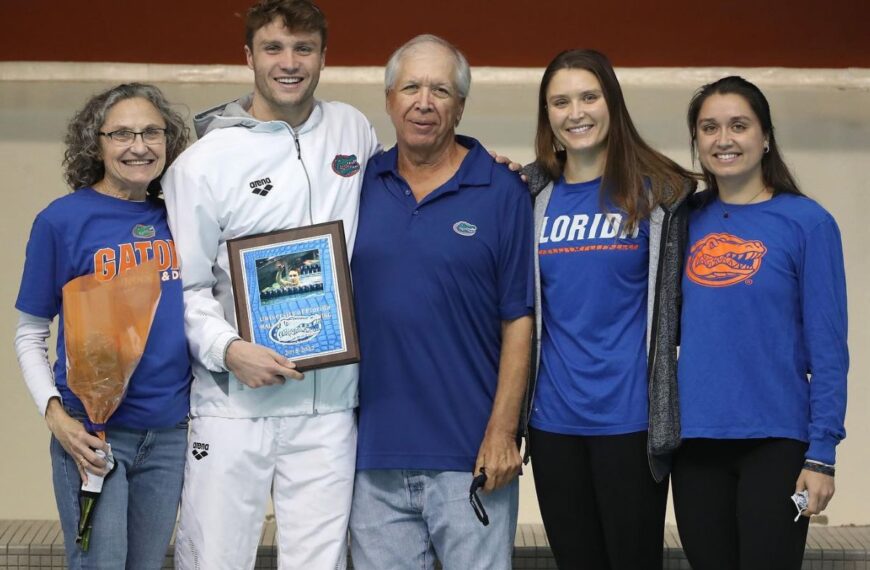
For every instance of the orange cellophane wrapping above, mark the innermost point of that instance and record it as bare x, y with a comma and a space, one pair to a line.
106, 326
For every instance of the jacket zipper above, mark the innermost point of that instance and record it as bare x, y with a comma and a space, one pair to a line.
310, 222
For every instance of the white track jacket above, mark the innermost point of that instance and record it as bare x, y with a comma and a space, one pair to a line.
210, 199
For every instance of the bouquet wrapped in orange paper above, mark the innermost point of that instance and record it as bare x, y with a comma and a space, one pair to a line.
106, 326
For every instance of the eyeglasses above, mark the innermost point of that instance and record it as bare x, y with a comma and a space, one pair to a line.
476, 504
126, 137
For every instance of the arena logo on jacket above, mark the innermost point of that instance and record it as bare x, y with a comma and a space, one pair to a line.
261, 187
345, 165
112, 261
720, 260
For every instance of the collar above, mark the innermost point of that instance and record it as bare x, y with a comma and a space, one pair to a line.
236, 114
475, 169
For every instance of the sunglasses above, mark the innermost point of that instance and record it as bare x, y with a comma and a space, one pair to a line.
476, 504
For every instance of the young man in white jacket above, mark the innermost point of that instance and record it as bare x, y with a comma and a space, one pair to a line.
272, 160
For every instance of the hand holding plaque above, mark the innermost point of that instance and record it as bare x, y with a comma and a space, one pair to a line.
257, 366
292, 294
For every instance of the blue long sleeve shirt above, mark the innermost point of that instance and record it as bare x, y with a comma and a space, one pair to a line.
764, 325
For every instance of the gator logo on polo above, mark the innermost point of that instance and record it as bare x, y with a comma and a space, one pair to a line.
141, 231
345, 165
720, 260
464, 228
296, 329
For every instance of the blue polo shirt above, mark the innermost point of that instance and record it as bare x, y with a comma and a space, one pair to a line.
433, 282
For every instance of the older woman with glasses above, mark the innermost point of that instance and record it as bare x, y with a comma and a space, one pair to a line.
117, 148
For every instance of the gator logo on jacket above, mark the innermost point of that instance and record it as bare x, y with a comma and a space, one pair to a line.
345, 165
720, 260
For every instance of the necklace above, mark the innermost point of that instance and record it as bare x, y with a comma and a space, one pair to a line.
726, 213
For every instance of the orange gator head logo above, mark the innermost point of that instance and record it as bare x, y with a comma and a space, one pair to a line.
719, 260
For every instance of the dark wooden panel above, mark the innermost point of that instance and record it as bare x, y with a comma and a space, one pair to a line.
514, 33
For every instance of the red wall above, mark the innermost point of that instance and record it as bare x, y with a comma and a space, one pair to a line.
796, 33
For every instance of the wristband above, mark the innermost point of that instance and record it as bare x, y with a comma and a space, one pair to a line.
817, 467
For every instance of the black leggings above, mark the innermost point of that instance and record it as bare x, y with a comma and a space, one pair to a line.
733, 506
602, 510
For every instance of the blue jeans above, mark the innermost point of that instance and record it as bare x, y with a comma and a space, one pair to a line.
135, 514
404, 519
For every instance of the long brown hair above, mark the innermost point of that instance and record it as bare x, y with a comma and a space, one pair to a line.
636, 177
774, 171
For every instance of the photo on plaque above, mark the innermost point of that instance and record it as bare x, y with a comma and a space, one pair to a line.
289, 276
292, 293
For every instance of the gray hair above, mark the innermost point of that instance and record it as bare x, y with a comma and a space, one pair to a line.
462, 72
83, 160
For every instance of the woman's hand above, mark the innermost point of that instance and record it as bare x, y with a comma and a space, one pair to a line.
820, 487
75, 440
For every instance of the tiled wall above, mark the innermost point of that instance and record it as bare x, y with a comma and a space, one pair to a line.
30, 545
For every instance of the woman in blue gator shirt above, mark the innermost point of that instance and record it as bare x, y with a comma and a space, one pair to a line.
117, 148
763, 361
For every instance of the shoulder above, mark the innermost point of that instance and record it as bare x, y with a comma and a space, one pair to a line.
380, 160
508, 181
512, 190
346, 125
698, 200
66, 208
502, 179
207, 151
805, 211
676, 198
538, 177
220, 153
336, 110
374, 178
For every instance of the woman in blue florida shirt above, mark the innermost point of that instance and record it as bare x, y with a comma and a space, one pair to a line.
763, 361
117, 148
610, 225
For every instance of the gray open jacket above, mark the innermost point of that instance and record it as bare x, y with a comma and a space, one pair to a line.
667, 243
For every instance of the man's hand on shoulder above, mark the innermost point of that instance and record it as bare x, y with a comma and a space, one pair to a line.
256, 366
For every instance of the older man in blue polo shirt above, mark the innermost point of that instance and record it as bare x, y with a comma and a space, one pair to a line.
442, 272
